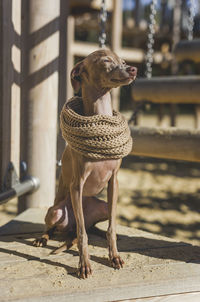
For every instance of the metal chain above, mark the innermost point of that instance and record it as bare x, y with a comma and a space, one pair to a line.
150, 43
103, 19
191, 19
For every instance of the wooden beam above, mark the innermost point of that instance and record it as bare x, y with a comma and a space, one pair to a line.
197, 116
170, 143
83, 49
117, 24
188, 50
80, 6
136, 55
132, 55
40, 68
171, 89
16, 86
70, 53
63, 64
6, 81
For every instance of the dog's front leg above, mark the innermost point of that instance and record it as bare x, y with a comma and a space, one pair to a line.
76, 197
115, 259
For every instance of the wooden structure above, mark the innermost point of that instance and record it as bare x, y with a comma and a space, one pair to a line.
154, 266
33, 89
33, 84
9, 85
169, 143
78, 7
169, 89
188, 50
82, 49
40, 97
174, 89
34, 65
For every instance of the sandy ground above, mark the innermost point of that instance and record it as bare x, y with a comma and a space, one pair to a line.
158, 196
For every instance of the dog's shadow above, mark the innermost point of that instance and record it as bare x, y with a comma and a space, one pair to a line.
151, 247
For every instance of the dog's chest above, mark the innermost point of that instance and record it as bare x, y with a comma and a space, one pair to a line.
100, 174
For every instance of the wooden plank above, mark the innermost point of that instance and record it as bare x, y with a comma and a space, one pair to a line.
117, 23
136, 55
171, 143
197, 116
70, 54
188, 297
63, 63
6, 80
171, 89
154, 266
174, 64
88, 5
188, 50
16, 86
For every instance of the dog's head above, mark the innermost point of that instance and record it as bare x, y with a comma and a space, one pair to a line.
104, 69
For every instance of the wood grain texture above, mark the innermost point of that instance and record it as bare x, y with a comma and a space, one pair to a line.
40, 67
154, 266
188, 50
6, 81
171, 89
171, 143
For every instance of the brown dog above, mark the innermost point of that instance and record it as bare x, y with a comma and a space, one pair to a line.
81, 179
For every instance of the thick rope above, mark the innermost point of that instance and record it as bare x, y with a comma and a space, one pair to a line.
95, 137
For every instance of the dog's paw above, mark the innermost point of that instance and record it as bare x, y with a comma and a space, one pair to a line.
40, 242
117, 262
85, 270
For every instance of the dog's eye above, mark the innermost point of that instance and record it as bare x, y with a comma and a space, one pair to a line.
106, 61
123, 62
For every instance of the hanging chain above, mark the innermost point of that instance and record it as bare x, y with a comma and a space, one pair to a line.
191, 19
150, 43
103, 18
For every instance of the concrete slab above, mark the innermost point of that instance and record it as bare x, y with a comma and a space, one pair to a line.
154, 266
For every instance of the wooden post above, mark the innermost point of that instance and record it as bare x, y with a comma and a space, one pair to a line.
40, 28
197, 116
174, 64
137, 13
70, 54
16, 89
6, 80
117, 20
64, 12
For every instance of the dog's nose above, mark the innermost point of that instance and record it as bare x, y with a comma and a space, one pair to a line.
132, 70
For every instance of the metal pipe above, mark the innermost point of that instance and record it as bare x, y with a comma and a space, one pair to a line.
29, 185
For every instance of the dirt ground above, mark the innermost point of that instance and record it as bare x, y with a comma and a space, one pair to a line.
162, 197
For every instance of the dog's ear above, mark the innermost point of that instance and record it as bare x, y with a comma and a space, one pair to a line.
76, 76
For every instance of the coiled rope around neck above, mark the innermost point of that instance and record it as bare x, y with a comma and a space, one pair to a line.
96, 137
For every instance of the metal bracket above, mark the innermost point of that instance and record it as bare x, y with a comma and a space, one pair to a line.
15, 187
11, 178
